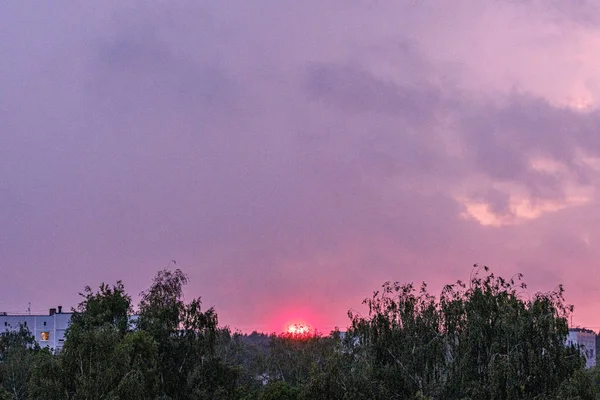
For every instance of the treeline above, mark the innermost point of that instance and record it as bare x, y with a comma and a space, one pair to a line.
484, 339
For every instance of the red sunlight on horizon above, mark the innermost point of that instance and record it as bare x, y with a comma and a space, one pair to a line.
299, 329
298, 158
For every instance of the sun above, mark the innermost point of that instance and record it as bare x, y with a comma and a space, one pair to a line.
298, 329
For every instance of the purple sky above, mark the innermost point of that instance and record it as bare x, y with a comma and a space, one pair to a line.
291, 156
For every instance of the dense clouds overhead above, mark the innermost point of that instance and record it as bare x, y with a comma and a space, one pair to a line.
292, 156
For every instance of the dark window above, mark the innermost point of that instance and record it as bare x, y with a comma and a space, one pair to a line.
5, 323
25, 324
44, 323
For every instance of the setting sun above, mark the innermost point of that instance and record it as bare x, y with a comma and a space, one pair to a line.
298, 329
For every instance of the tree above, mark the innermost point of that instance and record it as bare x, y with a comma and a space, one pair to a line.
89, 355
185, 337
48, 380
106, 307
102, 356
140, 366
280, 390
17, 352
484, 340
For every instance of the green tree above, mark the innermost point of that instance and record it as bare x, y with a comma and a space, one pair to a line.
280, 390
102, 356
48, 381
185, 337
108, 306
295, 358
247, 355
17, 352
89, 356
139, 355
484, 340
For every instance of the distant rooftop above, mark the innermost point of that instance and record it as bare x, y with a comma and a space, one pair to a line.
578, 329
51, 312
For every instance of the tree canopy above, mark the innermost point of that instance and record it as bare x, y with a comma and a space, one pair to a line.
487, 338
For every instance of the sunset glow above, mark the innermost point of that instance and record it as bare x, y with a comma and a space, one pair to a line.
299, 329
293, 156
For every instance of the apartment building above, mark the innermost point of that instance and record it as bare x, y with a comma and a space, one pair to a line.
48, 330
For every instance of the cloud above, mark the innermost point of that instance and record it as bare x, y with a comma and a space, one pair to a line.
296, 155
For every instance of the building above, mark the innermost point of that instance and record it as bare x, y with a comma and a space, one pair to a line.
47, 330
585, 339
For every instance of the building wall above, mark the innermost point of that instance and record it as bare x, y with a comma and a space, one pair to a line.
586, 339
47, 330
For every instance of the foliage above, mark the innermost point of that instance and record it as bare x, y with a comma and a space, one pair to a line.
48, 380
185, 337
108, 306
17, 351
485, 339
92, 354
279, 390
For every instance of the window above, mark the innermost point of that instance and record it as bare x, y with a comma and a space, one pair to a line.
45, 336
44, 323
5, 323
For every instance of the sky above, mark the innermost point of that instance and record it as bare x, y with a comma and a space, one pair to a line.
291, 156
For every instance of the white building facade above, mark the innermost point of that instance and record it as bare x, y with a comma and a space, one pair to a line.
584, 339
47, 330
